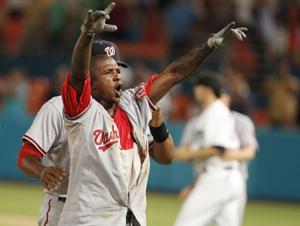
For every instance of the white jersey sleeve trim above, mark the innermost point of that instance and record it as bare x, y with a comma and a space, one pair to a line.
80, 114
35, 144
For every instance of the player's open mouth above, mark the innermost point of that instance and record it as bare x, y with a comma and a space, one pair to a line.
119, 89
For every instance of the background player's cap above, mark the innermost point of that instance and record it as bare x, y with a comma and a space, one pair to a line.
103, 47
210, 79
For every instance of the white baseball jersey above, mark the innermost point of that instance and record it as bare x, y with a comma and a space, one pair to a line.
215, 196
213, 127
48, 136
105, 181
246, 133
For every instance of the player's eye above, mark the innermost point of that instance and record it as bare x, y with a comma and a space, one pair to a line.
108, 71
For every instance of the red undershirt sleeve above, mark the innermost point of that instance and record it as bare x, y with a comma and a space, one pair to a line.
27, 149
148, 85
73, 107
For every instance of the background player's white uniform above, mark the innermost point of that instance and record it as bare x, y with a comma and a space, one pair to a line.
219, 184
48, 135
104, 180
246, 133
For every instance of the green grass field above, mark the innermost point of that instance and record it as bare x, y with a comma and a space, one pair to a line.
19, 206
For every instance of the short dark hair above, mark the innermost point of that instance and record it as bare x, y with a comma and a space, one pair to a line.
211, 80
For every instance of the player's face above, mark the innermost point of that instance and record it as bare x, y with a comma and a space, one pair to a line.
106, 81
200, 94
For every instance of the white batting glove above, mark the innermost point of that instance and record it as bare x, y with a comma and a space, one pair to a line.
219, 39
95, 21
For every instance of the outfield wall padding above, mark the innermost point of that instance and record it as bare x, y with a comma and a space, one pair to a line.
274, 174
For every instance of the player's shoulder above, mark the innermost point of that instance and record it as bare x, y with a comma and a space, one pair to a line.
193, 119
242, 118
57, 100
54, 104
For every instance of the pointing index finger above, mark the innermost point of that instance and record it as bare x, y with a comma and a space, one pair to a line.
229, 27
110, 7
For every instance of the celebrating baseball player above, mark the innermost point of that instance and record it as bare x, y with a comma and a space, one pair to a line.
108, 134
44, 153
219, 183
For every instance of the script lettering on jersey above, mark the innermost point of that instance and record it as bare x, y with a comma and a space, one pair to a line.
104, 140
140, 93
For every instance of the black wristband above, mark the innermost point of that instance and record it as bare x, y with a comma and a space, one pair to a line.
160, 134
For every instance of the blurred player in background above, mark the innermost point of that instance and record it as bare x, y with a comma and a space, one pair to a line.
44, 153
245, 130
216, 194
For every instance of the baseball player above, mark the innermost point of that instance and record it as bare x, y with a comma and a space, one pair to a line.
44, 153
106, 184
219, 183
248, 145
245, 130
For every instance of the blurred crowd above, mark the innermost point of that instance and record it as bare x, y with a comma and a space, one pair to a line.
262, 72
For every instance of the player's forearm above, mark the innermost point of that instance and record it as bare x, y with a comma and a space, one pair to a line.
244, 154
203, 154
247, 153
32, 166
163, 153
185, 65
178, 71
162, 150
80, 61
184, 153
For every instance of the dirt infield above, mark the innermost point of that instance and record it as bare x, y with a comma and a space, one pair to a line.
8, 219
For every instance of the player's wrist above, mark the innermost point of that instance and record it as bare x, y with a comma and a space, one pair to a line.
42, 173
88, 33
210, 44
155, 123
160, 133
208, 48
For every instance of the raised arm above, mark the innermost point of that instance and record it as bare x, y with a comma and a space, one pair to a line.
94, 22
183, 67
76, 90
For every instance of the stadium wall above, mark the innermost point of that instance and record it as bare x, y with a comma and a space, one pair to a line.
274, 174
